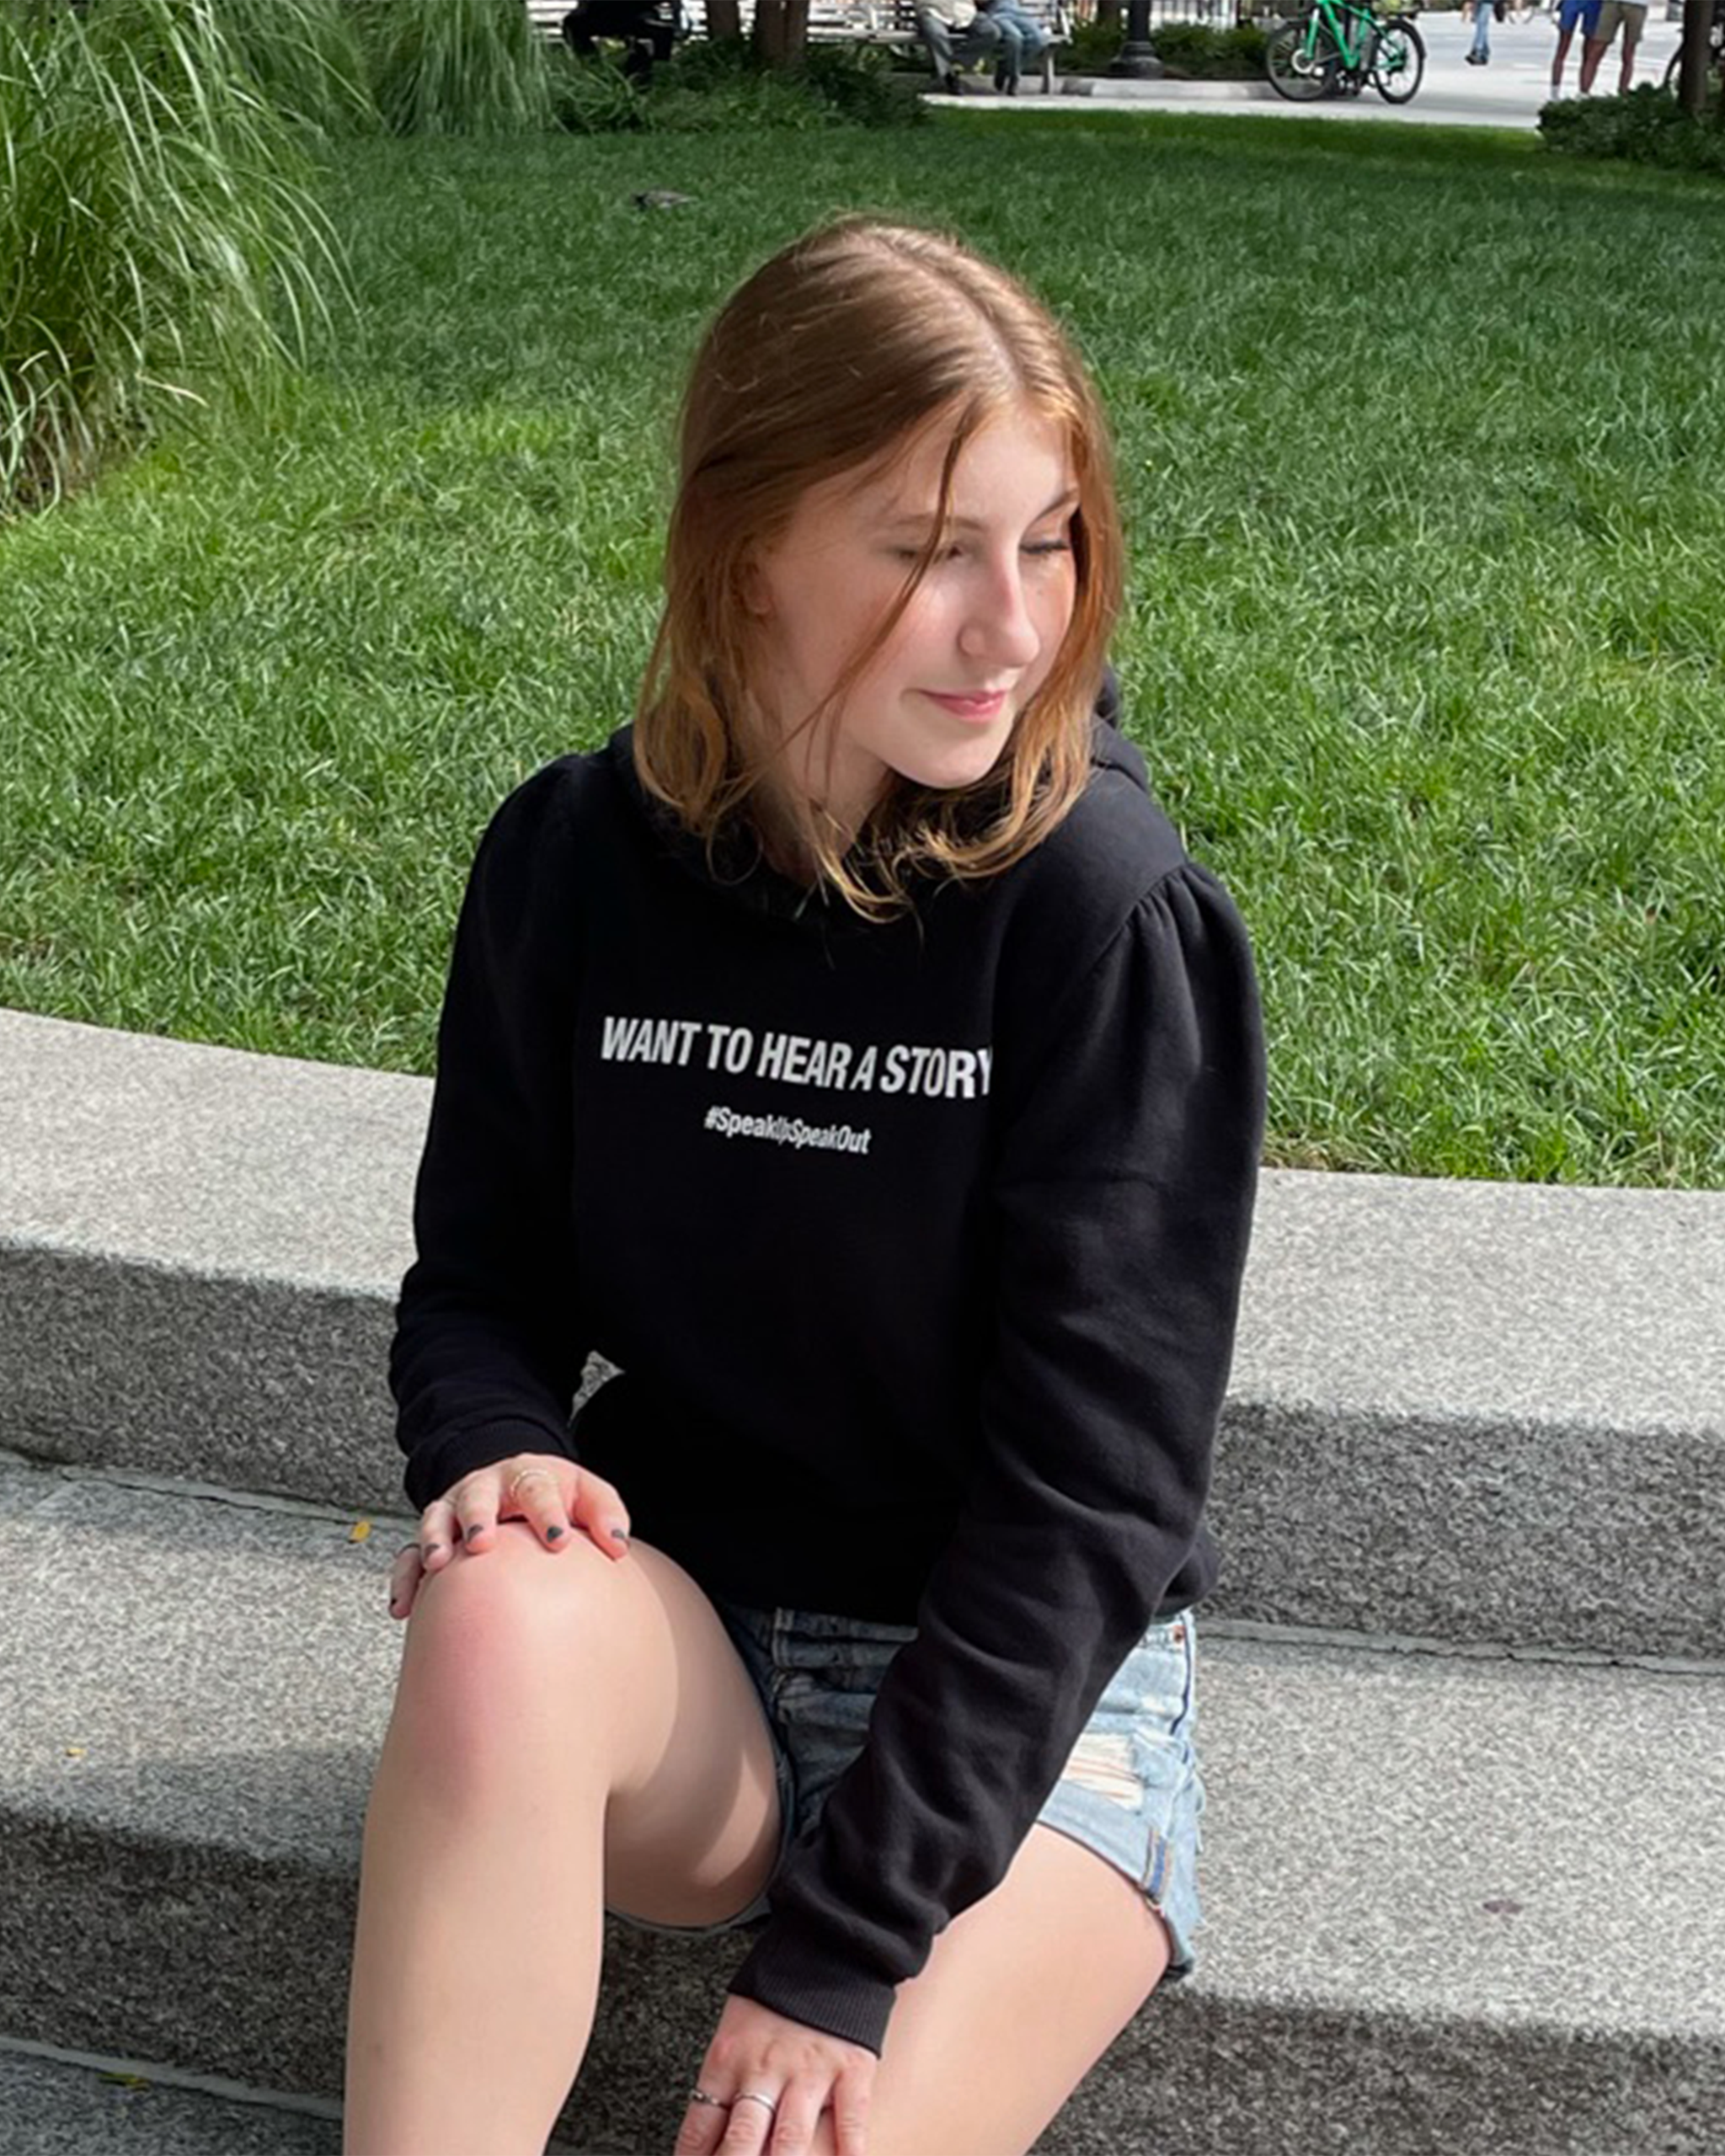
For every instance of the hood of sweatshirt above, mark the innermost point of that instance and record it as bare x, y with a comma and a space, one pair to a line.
735, 867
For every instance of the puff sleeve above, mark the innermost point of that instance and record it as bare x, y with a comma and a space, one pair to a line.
489, 1344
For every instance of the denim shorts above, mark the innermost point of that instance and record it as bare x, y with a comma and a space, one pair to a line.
1131, 1789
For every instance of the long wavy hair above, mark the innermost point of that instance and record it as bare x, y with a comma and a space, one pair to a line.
835, 357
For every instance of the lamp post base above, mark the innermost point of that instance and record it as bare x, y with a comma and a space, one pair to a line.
1136, 59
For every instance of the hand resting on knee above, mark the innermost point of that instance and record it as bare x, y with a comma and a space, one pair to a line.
550, 1493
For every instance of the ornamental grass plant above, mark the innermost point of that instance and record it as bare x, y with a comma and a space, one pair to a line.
161, 243
455, 66
307, 59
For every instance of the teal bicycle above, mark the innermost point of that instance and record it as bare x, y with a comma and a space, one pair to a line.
1339, 46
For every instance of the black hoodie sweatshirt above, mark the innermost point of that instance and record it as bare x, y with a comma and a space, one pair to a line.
919, 1246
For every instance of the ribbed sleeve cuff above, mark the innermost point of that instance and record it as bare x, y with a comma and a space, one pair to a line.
796, 1979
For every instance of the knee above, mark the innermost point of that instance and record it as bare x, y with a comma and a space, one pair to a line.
497, 1641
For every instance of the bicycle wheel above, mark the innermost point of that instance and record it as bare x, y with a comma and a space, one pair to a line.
1302, 60
1398, 65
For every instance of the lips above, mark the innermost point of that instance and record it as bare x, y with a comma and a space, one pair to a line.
988, 705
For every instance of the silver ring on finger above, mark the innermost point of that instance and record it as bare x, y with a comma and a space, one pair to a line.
527, 1475
749, 2096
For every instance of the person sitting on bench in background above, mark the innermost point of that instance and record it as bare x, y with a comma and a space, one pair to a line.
647, 27
957, 34
1022, 38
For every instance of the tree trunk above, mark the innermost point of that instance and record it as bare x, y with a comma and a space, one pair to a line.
725, 18
770, 32
1697, 56
1108, 14
781, 31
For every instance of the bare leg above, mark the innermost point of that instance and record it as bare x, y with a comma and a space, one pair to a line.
1564, 38
983, 2050
564, 1722
1630, 40
1593, 52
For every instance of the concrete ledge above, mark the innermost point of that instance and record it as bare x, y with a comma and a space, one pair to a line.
271, 1385
1451, 1902
1488, 1411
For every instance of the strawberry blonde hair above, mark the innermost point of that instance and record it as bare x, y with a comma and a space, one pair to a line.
838, 357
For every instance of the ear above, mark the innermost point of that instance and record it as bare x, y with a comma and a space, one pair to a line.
756, 592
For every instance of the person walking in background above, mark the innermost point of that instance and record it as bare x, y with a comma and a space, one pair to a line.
1479, 53
956, 34
1631, 16
850, 1053
1570, 13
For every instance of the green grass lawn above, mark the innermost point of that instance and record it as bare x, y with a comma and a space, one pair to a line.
1426, 644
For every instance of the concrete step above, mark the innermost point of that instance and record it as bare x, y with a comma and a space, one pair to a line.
55, 2103
58, 2105
1486, 1412
1456, 1901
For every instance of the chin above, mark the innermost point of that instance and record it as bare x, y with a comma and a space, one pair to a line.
960, 765
951, 774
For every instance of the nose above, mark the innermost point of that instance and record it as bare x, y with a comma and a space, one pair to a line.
1000, 629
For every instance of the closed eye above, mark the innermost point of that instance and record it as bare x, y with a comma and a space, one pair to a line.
1039, 547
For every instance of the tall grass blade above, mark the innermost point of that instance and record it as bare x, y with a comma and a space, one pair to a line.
161, 243
456, 66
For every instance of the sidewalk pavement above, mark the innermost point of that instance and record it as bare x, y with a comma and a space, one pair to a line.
1507, 93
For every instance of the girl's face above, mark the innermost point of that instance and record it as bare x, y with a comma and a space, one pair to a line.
937, 704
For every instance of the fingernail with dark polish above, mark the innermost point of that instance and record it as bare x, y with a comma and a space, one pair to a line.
619, 1534
553, 1534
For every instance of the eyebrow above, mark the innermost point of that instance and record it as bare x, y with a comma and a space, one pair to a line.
1070, 499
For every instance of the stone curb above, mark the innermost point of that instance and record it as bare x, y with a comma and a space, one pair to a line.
1492, 1413
1108, 88
1452, 1901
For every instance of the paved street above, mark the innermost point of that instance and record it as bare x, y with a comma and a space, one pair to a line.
1508, 93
